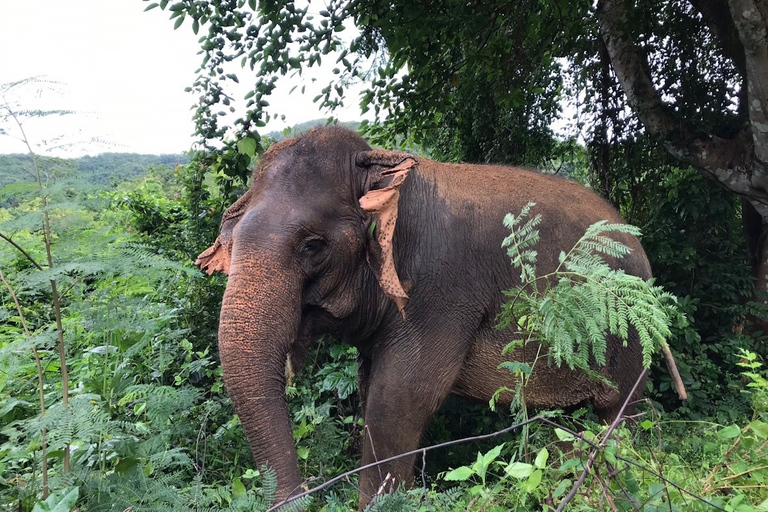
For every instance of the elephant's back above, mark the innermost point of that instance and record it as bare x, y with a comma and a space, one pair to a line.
481, 195
500, 189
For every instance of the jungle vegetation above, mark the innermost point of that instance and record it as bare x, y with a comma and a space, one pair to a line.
110, 391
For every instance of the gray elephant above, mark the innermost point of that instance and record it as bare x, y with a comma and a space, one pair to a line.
401, 257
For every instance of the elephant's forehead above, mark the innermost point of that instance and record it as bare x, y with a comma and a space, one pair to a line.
289, 188
296, 168
303, 178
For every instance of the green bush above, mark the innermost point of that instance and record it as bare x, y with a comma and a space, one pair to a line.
693, 234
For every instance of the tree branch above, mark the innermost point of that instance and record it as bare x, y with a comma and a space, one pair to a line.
717, 17
40, 381
22, 251
751, 25
730, 161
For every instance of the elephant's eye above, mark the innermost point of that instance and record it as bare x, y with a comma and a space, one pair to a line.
313, 252
312, 246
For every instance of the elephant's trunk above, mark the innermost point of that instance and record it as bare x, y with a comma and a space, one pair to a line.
259, 323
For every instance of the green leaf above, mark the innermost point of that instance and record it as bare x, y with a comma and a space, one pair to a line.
656, 490
570, 464
562, 435
519, 470
459, 474
251, 473
125, 465
238, 489
760, 428
9, 404
491, 455
516, 367
729, 432
58, 503
541, 458
561, 487
247, 146
533, 481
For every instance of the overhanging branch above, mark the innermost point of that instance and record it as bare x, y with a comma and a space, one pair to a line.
730, 161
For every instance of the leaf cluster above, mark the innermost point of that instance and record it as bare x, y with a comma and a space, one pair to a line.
573, 309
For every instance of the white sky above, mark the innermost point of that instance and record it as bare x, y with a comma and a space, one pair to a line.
124, 71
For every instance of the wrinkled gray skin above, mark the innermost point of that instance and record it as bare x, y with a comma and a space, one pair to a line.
302, 263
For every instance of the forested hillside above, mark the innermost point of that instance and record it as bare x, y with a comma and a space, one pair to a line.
303, 127
103, 169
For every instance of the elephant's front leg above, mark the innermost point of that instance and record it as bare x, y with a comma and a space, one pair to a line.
406, 385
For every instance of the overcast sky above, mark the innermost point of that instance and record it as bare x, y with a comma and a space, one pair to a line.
122, 69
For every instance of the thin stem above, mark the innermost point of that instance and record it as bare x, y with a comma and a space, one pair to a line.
47, 232
346, 475
22, 251
40, 381
597, 449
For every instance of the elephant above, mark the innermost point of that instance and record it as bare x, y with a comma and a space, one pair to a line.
399, 256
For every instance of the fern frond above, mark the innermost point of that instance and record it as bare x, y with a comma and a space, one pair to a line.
521, 239
269, 483
589, 301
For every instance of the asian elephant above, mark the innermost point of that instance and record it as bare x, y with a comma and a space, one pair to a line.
401, 257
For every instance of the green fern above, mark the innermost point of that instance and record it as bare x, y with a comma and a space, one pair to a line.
399, 501
572, 309
521, 240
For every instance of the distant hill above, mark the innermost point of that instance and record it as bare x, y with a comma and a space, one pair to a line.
306, 126
111, 168
104, 169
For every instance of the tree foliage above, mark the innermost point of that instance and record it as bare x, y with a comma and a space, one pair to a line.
571, 309
683, 65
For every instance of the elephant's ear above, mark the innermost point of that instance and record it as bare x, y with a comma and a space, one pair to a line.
218, 256
387, 171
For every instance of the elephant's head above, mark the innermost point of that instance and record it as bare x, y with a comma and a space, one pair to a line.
301, 248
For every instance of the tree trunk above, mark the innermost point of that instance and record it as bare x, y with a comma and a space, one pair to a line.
741, 162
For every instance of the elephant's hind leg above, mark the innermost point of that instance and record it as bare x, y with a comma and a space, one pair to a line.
624, 367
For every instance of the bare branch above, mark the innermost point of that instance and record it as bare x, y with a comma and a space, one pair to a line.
22, 251
730, 161
40, 381
346, 475
596, 448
